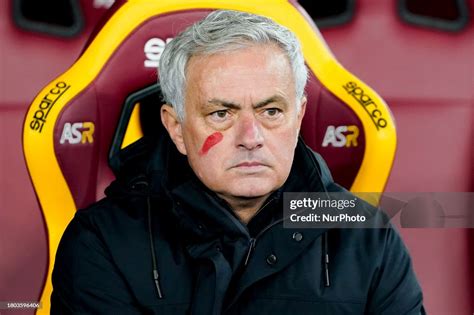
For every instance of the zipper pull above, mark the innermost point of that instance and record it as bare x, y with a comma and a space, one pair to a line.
157, 283
252, 245
326, 271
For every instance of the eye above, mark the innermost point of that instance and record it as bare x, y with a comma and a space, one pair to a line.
219, 115
272, 113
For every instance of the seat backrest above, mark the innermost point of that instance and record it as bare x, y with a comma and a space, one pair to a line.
77, 125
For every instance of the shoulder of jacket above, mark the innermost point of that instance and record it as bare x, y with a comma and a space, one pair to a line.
106, 212
325, 173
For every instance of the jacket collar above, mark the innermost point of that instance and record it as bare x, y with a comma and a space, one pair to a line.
201, 214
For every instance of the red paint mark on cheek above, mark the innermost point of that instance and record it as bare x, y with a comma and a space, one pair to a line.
211, 141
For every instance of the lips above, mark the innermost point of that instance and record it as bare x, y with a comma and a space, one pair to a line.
249, 164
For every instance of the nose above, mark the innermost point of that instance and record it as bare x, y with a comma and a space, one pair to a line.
249, 133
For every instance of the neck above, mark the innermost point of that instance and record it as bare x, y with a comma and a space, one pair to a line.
245, 208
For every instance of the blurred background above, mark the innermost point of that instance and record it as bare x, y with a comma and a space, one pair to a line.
417, 54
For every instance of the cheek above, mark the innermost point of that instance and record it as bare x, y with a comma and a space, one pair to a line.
210, 141
283, 147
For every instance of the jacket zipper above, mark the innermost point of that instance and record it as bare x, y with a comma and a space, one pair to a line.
249, 252
253, 240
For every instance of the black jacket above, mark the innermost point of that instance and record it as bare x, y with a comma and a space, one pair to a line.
162, 243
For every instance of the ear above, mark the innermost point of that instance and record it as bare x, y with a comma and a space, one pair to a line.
170, 120
300, 114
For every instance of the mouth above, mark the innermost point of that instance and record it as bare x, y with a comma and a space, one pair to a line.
250, 167
249, 164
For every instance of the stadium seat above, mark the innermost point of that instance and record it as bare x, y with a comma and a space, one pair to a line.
79, 124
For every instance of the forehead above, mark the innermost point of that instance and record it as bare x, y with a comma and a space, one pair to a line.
251, 72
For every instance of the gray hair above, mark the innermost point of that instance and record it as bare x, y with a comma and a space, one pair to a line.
221, 31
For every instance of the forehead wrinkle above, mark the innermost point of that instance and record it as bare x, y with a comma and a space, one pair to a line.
200, 78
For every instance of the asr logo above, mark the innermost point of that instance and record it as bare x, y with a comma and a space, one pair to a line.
79, 132
341, 136
153, 49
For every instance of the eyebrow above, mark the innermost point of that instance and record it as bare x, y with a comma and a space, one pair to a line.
231, 105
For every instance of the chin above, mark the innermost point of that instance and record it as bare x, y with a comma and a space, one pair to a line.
252, 188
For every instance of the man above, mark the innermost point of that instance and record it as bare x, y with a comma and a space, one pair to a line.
195, 223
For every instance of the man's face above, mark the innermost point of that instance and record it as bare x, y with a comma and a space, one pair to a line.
241, 120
